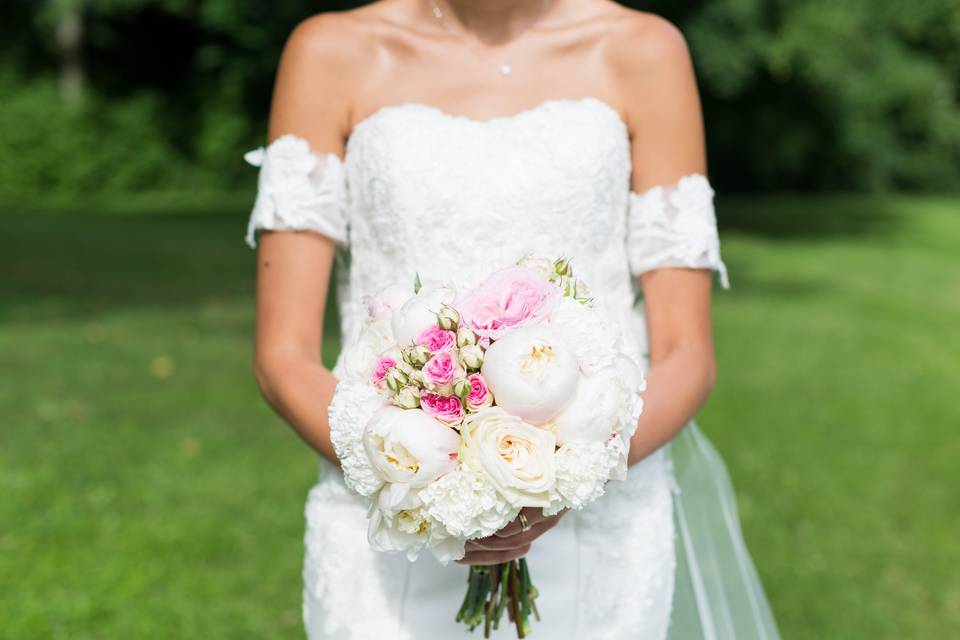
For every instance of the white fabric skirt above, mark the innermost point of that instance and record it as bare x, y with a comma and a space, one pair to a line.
606, 572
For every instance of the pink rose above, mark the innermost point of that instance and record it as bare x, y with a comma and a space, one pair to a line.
479, 395
510, 298
447, 409
384, 364
440, 370
436, 339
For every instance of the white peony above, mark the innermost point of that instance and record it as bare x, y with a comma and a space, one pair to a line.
420, 312
384, 302
404, 530
446, 548
593, 338
532, 373
373, 337
408, 447
598, 411
515, 456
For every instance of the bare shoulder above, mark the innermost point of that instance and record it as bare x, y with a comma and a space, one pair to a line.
332, 41
643, 45
650, 65
323, 61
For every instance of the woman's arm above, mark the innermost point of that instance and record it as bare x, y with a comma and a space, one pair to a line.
682, 366
666, 123
293, 268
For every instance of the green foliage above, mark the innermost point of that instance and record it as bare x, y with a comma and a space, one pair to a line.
98, 145
860, 93
800, 94
148, 491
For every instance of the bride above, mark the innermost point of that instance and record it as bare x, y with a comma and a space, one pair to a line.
567, 127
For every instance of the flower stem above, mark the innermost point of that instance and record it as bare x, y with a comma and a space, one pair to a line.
493, 589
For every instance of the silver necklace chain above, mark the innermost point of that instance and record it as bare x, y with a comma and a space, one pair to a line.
505, 68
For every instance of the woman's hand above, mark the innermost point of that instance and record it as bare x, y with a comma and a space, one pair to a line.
511, 542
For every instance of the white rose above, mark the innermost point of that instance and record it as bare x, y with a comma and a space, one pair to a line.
532, 373
541, 265
408, 447
516, 457
420, 312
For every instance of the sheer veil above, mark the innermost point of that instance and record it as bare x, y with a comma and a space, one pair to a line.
717, 591
718, 594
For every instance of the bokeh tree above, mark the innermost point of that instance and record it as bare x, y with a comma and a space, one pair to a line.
107, 95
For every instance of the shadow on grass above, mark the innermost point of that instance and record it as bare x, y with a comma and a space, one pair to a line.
811, 216
71, 266
64, 262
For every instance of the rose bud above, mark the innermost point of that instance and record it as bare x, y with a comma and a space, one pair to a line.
465, 336
471, 356
396, 379
462, 388
448, 318
416, 355
562, 267
416, 378
408, 398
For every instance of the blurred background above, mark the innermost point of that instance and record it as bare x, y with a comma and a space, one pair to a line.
147, 492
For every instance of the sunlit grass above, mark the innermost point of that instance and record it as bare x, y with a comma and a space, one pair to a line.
147, 492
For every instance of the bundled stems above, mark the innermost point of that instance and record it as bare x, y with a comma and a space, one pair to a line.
493, 589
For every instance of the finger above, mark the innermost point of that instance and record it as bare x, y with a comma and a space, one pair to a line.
493, 557
533, 516
514, 541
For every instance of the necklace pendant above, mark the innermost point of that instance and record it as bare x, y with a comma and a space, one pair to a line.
505, 69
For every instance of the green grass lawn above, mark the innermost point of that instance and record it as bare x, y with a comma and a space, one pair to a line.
147, 492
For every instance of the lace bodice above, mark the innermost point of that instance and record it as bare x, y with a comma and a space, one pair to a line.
423, 191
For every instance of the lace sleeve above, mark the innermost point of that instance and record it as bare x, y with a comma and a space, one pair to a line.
675, 226
298, 190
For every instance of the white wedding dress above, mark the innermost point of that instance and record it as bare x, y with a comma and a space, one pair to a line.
423, 191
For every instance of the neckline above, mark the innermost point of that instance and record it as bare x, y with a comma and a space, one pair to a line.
492, 121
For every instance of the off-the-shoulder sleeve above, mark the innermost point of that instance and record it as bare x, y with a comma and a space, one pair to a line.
675, 226
298, 190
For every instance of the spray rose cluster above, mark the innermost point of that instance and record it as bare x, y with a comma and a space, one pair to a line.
456, 409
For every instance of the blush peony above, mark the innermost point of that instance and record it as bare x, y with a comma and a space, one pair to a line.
511, 298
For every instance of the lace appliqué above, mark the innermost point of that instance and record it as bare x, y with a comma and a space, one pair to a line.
675, 227
298, 190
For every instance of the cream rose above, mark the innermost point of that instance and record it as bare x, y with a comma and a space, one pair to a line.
532, 373
516, 457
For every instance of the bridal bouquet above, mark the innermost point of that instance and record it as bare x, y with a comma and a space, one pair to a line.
457, 409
